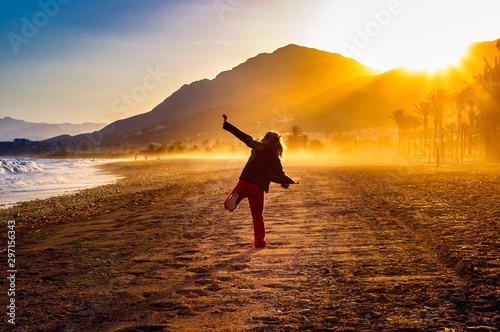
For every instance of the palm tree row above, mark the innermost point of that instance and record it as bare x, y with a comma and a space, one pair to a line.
407, 126
454, 135
443, 139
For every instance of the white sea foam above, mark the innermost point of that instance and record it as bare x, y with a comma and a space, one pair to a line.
26, 179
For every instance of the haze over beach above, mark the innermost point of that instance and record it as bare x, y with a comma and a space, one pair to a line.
133, 133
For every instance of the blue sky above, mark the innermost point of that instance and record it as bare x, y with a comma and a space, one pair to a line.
98, 61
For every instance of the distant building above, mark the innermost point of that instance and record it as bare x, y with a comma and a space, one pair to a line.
23, 147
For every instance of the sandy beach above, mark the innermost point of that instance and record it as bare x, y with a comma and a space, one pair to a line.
350, 248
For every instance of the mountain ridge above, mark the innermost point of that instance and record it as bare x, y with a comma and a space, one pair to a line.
286, 68
11, 129
318, 90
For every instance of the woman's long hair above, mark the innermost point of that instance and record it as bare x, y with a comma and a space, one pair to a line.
273, 141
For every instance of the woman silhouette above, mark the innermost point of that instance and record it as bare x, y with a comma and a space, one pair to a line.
263, 166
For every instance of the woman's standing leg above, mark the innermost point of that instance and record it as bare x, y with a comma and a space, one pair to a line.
256, 202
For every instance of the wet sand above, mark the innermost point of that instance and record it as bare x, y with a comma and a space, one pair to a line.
385, 248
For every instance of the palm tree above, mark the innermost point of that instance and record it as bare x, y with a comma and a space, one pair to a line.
412, 123
471, 128
295, 131
489, 80
425, 110
399, 117
295, 138
439, 99
461, 100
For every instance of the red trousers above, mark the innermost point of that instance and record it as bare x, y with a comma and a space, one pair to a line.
255, 197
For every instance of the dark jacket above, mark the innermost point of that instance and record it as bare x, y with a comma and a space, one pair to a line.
263, 166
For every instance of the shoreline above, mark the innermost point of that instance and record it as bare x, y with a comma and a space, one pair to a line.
85, 203
91, 177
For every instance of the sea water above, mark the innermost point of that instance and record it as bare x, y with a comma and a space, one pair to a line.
28, 179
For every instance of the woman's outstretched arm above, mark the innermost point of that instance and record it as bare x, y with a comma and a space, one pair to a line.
245, 138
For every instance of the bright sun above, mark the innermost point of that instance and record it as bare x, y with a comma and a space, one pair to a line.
428, 58
432, 61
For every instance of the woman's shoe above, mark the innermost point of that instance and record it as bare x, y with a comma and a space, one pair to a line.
232, 202
260, 245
